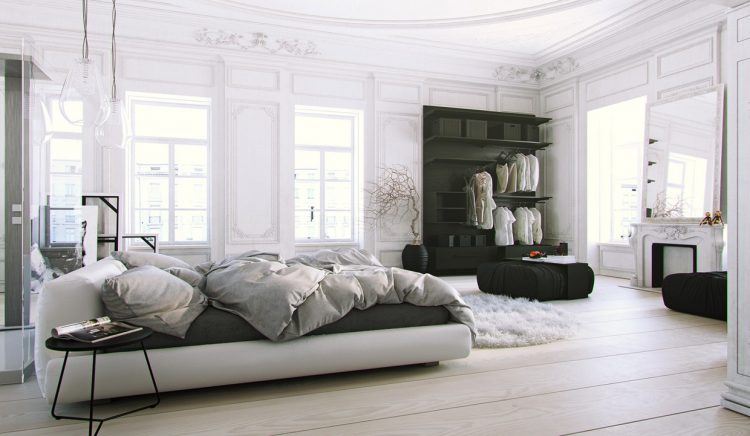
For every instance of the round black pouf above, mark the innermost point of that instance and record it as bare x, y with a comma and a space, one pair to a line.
414, 258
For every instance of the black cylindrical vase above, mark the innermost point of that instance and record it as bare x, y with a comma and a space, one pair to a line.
414, 258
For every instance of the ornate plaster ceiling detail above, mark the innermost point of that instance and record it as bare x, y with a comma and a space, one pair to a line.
548, 71
256, 40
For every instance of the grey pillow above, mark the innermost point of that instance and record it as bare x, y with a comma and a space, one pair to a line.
149, 297
190, 276
134, 259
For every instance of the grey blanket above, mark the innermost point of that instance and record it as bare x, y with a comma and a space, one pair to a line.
285, 300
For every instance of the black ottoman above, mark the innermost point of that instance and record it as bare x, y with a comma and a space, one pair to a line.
536, 281
702, 294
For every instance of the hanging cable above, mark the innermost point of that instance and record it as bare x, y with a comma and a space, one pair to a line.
85, 9
114, 51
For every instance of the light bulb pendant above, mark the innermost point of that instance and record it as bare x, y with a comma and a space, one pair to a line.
82, 97
115, 132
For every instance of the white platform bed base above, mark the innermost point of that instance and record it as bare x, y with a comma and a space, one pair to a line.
76, 296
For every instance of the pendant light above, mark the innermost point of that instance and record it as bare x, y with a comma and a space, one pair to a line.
83, 91
115, 131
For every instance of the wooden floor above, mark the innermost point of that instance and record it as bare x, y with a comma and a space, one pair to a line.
635, 368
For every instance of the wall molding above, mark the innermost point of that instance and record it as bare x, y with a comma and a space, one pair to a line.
697, 62
382, 86
236, 233
559, 99
685, 88
549, 71
413, 122
272, 74
255, 41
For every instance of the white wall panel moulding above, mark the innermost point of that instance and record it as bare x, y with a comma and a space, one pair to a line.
256, 41
549, 71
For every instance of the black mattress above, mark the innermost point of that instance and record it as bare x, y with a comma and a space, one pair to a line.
702, 294
216, 326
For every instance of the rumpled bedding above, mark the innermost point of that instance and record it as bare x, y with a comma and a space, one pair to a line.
288, 299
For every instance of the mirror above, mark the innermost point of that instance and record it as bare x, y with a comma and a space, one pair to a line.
682, 156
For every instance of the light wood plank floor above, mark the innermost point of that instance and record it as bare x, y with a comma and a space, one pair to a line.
635, 368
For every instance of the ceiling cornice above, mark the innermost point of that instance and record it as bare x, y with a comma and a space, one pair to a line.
256, 41
494, 18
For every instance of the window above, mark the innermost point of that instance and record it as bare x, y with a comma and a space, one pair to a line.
169, 167
65, 162
325, 174
615, 149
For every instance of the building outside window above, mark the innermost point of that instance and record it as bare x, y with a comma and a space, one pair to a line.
326, 171
169, 160
65, 164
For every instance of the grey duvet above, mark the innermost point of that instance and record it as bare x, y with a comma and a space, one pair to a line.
286, 300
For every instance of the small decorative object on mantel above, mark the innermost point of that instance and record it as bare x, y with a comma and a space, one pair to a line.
537, 254
717, 220
707, 220
395, 195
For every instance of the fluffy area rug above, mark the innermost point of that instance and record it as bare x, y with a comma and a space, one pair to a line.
504, 322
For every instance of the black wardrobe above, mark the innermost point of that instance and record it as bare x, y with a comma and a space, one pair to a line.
458, 143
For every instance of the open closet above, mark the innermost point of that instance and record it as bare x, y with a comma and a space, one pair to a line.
481, 187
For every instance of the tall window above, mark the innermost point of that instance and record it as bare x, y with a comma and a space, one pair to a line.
615, 149
65, 162
169, 167
325, 174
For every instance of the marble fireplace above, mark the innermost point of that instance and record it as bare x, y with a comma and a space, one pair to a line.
661, 248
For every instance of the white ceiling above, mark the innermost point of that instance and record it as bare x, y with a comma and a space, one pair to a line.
531, 32
532, 29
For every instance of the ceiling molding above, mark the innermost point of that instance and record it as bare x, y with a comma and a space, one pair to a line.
547, 72
550, 7
255, 40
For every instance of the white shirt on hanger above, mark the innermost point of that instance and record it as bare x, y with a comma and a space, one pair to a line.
533, 170
537, 227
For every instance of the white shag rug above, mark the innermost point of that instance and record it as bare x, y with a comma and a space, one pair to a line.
504, 322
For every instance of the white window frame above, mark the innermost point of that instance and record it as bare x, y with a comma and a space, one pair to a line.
356, 117
52, 97
139, 98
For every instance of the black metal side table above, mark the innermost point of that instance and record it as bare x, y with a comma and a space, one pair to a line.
68, 345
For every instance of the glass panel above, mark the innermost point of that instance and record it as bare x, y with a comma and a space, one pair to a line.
66, 156
338, 166
306, 227
190, 193
151, 158
59, 123
338, 195
166, 121
338, 225
321, 130
191, 160
190, 226
65, 190
152, 192
306, 165
306, 195
153, 221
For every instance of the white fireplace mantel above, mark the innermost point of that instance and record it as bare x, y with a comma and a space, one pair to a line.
708, 240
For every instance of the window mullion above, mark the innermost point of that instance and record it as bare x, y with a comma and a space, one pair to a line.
172, 202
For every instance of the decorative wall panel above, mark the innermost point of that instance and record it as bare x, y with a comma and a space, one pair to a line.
399, 143
462, 99
685, 58
558, 180
620, 81
252, 79
167, 71
399, 92
253, 172
516, 103
559, 100
328, 86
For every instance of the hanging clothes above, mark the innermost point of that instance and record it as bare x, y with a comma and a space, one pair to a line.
523, 227
471, 209
521, 176
537, 226
504, 220
502, 177
512, 178
533, 170
484, 203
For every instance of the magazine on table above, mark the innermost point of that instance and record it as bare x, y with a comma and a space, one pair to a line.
94, 330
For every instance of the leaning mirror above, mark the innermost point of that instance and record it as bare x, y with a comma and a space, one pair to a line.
682, 156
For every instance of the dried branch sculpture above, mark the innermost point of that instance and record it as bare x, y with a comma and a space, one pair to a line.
663, 208
395, 195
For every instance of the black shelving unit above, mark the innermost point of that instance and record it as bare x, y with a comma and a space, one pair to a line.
458, 142
112, 202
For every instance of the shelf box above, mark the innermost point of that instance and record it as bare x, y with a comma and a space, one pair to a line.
531, 133
446, 127
476, 129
